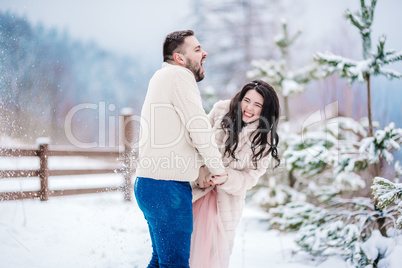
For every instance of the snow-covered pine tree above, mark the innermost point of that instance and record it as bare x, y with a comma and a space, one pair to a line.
328, 158
320, 158
389, 193
373, 62
288, 81
346, 229
327, 164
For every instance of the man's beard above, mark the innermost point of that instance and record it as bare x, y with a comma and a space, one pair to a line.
196, 69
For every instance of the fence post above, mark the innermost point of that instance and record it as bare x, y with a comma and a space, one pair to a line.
43, 170
128, 132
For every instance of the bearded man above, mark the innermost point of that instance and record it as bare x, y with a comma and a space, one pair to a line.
175, 141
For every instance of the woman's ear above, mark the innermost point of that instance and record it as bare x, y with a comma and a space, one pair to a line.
179, 58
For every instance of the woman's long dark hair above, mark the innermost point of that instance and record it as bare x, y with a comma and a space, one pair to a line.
268, 122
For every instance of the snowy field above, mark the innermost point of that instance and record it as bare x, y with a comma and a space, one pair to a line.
102, 231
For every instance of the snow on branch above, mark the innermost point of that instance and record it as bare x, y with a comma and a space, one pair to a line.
341, 228
392, 56
373, 62
386, 192
382, 142
389, 193
287, 81
364, 19
283, 41
354, 19
390, 73
322, 152
353, 69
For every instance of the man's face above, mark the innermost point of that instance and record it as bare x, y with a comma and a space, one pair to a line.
194, 57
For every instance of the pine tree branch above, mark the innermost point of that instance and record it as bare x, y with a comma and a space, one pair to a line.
390, 73
373, 4
355, 20
392, 56
385, 191
295, 37
334, 60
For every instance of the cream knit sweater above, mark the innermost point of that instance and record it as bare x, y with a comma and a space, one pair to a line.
175, 134
242, 175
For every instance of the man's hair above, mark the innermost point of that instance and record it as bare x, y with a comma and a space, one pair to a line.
173, 43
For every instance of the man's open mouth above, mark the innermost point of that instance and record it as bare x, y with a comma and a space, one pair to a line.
202, 67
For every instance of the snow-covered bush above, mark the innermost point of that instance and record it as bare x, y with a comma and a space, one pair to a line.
346, 149
294, 215
327, 161
389, 193
380, 145
272, 191
342, 228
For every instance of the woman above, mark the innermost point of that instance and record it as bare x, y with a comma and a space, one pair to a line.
245, 131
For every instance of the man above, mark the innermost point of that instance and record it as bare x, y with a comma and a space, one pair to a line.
175, 141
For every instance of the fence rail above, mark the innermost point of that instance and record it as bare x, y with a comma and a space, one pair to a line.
124, 165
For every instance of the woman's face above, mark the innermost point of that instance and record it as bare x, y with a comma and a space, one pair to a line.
251, 106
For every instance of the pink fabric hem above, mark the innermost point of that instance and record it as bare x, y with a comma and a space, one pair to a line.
209, 245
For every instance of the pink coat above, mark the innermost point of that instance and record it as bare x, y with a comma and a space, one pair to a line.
242, 175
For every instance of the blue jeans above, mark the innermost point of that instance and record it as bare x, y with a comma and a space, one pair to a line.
168, 209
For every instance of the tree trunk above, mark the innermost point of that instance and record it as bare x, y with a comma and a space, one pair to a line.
292, 179
381, 220
370, 118
286, 104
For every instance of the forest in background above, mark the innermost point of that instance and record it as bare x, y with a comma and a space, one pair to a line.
44, 74
236, 33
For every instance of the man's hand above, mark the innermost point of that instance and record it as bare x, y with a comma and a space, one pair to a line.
202, 181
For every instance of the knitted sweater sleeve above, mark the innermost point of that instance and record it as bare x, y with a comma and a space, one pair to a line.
188, 104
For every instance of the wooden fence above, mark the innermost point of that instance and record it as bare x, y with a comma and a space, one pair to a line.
124, 160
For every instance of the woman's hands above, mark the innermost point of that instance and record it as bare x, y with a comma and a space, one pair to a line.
217, 179
206, 179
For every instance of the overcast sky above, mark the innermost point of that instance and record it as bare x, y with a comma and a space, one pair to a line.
126, 26
139, 27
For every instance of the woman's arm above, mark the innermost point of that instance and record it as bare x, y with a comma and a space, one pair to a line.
218, 111
240, 181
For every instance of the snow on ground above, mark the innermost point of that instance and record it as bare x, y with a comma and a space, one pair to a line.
102, 231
